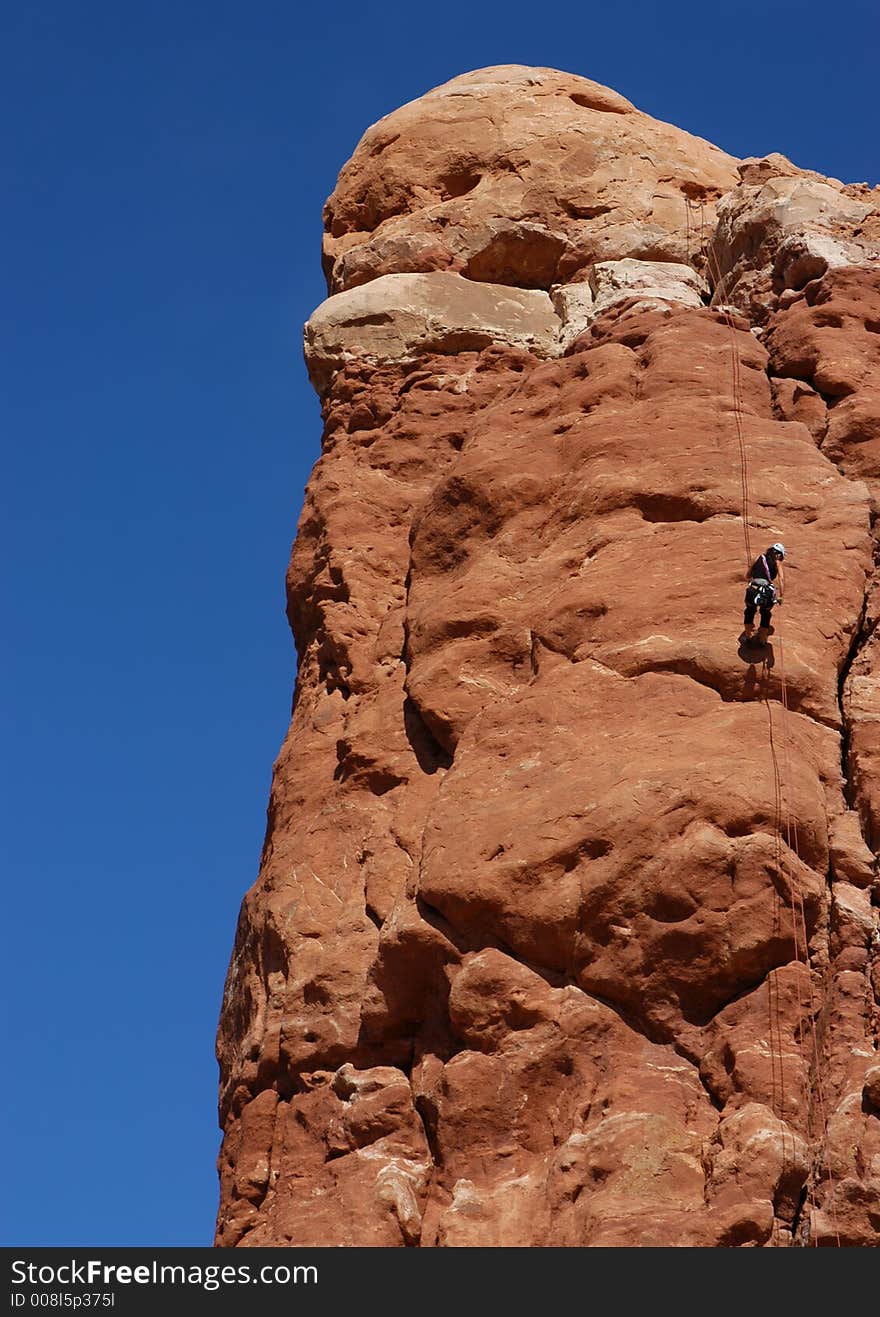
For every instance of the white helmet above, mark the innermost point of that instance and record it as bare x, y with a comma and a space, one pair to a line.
778, 549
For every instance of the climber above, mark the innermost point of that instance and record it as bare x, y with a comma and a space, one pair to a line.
761, 593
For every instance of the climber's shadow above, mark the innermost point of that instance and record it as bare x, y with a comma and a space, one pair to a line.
758, 655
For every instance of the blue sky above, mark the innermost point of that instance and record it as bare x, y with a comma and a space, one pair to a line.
164, 172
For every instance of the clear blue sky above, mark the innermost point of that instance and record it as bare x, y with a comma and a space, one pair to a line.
164, 171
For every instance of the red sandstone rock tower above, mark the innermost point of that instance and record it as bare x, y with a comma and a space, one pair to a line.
566, 927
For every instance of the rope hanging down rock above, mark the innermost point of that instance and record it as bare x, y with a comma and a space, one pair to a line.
813, 1085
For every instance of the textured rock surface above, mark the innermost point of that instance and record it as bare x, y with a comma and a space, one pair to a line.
402, 317
782, 227
518, 176
647, 285
566, 926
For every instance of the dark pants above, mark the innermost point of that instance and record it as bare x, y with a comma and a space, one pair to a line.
755, 599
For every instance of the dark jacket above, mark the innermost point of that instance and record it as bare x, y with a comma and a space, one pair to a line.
764, 568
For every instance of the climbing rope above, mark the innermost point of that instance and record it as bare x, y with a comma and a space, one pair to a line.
813, 1012
736, 378
781, 806
813, 1079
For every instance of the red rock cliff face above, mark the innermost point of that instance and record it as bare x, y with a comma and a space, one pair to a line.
566, 927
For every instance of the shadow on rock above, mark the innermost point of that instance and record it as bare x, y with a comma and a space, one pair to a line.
757, 654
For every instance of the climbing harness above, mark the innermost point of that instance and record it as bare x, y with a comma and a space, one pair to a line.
761, 593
